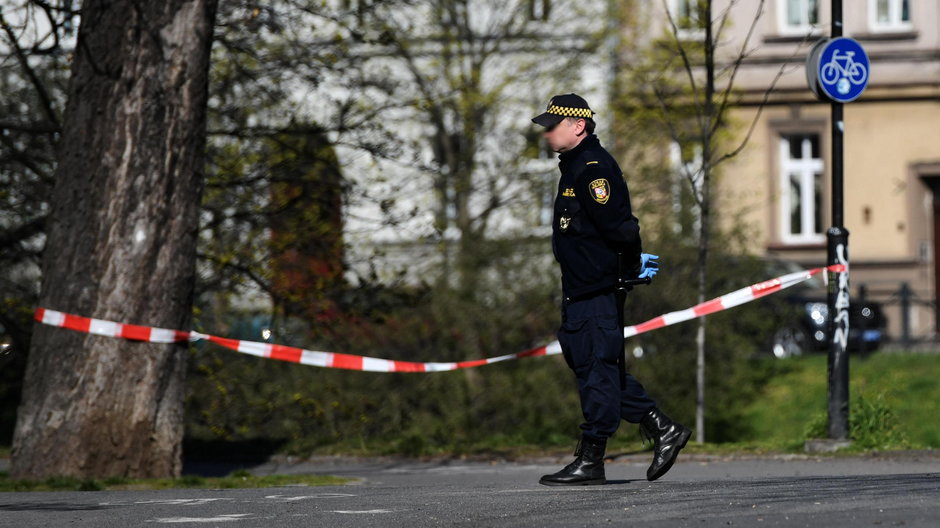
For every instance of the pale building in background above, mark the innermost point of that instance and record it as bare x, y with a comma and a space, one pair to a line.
779, 185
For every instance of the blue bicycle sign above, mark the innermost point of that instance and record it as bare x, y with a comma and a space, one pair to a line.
843, 69
840, 67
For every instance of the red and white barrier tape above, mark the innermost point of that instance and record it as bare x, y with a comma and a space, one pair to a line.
371, 364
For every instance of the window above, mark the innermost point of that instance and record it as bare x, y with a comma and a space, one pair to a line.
540, 159
797, 17
686, 161
690, 18
889, 15
546, 207
801, 169
539, 9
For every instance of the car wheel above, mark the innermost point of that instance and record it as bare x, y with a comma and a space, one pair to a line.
788, 342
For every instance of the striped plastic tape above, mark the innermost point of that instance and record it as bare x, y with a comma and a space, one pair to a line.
371, 364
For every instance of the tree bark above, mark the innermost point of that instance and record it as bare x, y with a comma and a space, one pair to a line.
121, 244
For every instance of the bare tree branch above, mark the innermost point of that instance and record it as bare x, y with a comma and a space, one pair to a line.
760, 107
28, 70
22, 232
686, 62
726, 93
691, 177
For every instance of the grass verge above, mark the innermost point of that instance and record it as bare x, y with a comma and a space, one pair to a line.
899, 391
896, 393
906, 384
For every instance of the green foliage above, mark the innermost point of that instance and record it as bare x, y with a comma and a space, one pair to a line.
268, 166
894, 402
236, 397
872, 424
28, 134
502, 406
737, 341
89, 485
192, 481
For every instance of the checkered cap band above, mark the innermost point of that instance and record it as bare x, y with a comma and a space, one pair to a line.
568, 111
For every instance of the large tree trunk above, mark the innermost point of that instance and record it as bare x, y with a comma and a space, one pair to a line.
121, 244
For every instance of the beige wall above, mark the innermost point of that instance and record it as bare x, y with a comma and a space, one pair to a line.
884, 141
892, 129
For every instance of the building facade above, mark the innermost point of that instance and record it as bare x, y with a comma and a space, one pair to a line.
779, 185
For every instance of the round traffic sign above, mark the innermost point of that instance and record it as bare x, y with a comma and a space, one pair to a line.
812, 75
841, 69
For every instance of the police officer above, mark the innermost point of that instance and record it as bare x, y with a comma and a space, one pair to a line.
596, 241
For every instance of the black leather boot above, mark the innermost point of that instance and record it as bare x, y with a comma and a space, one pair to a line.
586, 470
668, 438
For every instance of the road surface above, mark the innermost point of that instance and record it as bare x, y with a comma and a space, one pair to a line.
701, 491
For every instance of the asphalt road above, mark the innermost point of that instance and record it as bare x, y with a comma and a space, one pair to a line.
699, 491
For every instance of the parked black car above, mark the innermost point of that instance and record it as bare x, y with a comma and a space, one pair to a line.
808, 331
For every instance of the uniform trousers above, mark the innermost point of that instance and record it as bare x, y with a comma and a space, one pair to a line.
591, 340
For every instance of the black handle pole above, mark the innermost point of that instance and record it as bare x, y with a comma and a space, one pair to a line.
621, 297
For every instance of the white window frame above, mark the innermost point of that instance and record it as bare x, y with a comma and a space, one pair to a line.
804, 28
539, 9
806, 167
685, 33
546, 206
682, 168
894, 22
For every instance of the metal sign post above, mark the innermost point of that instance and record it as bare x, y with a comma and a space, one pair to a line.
837, 70
838, 253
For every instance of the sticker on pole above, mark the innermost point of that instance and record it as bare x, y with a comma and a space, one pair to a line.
838, 69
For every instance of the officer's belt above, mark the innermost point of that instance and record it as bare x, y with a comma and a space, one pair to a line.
591, 295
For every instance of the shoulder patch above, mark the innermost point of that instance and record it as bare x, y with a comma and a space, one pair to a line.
600, 190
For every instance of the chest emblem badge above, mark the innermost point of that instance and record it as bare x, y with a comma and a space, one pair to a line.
564, 222
600, 190
569, 192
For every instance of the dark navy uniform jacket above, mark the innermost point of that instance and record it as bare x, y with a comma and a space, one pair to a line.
592, 221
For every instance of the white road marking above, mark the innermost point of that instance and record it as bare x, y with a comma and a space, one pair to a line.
362, 511
230, 517
184, 502
285, 498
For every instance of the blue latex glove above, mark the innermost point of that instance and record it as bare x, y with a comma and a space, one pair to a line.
649, 266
